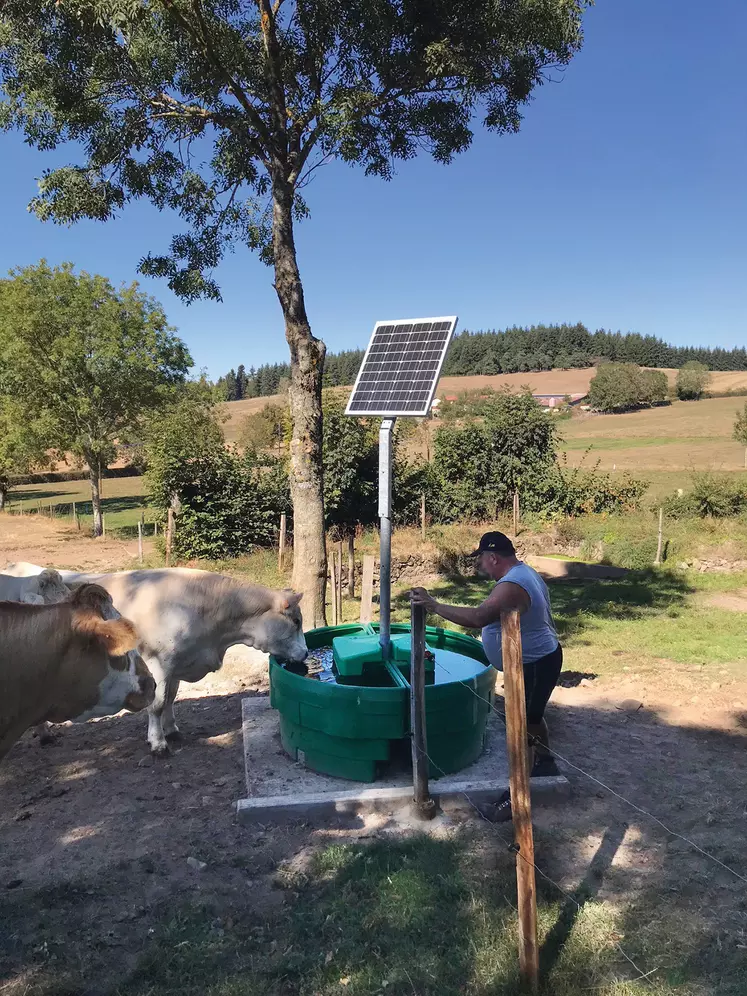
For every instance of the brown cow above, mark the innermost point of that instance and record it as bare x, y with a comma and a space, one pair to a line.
66, 661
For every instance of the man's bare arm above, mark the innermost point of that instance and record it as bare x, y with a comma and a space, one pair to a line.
503, 598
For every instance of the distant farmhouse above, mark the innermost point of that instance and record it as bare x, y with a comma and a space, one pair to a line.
548, 401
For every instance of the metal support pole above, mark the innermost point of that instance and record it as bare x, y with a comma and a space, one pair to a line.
423, 804
385, 518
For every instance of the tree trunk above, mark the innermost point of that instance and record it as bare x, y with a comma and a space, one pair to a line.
3, 495
305, 396
94, 475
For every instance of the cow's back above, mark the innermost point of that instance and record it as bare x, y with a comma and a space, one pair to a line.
170, 607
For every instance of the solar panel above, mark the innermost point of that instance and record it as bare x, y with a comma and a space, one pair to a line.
401, 367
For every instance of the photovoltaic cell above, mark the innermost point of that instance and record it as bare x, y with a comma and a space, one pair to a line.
401, 367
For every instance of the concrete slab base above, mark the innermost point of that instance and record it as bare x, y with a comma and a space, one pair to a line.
281, 790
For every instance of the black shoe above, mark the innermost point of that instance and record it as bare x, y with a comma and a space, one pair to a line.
544, 767
502, 812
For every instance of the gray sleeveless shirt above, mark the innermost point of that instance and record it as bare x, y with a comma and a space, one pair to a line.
538, 634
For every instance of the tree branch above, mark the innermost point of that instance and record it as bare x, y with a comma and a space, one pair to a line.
212, 57
274, 69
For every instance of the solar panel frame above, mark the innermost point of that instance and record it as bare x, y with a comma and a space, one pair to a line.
415, 397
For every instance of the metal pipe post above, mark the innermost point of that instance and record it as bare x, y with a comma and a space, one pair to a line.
423, 804
385, 532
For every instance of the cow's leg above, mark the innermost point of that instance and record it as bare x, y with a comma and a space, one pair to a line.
165, 691
168, 723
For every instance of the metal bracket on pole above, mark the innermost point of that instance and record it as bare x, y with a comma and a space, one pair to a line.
385, 547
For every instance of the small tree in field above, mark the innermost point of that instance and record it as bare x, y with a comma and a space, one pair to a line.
692, 380
21, 446
83, 363
220, 110
266, 429
621, 386
740, 430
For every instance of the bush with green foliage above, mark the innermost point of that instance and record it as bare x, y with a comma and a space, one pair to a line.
740, 428
350, 455
692, 380
228, 502
479, 465
571, 491
513, 446
267, 429
713, 495
624, 386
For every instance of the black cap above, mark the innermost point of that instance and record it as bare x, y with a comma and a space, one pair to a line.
495, 542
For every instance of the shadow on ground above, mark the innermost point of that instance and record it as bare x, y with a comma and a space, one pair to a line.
99, 897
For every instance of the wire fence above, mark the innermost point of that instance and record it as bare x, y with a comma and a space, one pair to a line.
82, 512
511, 845
515, 849
639, 809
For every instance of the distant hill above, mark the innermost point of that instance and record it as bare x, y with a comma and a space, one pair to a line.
557, 382
539, 348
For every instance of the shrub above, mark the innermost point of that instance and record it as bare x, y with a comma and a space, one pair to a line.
266, 429
692, 380
479, 466
622, 386
350, 455
571, 491
230, 507
710, 495
228, 502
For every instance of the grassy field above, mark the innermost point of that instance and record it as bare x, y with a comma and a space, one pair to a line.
673, 439
123, 501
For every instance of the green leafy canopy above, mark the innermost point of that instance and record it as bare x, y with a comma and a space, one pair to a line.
204, 106
82, 362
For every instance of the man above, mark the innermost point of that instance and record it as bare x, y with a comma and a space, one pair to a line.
518, 587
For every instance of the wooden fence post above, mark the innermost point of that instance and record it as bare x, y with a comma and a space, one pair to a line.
367, 583
521, 806
657, 562
281, 542
423, 804
169, 535
351, 566
103, 526
76, 520
140, 541
516, 512
333, 585
422, 516
339, 582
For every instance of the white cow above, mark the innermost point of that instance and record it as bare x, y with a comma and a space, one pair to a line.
46, 588
187, 619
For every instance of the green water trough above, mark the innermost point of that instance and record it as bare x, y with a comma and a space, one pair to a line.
347, 712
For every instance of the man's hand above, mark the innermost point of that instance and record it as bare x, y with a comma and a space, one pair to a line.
419, 596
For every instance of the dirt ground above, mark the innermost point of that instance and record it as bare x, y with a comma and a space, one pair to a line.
98, 843
49, 543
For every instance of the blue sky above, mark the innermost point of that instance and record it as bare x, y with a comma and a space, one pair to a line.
622, 204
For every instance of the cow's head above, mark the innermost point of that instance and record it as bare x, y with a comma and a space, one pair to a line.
109, 674
279, 630
47, 588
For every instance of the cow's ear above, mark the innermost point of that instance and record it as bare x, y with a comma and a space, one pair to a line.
290, 600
